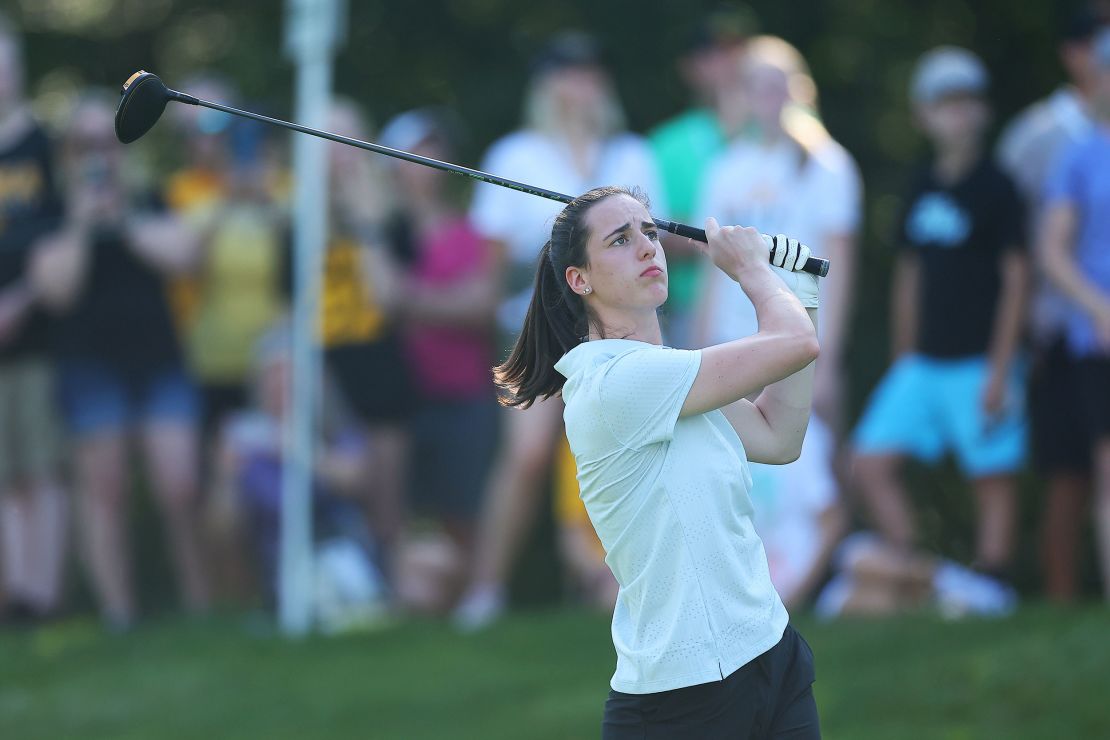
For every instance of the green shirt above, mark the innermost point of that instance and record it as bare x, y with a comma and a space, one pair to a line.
683, 147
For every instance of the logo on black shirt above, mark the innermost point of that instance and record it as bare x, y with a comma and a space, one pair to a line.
937, 220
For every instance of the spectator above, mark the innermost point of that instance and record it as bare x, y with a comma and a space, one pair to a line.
232, 195
249, 490
32, 507
875, 579
447, 300
362, 343
787, 176
588, 577
1073, 244
684, 146
958, 305
799, 517
120, 370
573, 139
1061, 448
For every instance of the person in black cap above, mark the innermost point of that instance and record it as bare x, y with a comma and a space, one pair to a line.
573, 139
1029, 146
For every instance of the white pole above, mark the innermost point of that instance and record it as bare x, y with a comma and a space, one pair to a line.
311, 32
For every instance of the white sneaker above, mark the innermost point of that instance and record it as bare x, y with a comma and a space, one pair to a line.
480, 607
964, 592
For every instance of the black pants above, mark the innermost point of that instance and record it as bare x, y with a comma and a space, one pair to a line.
770, 697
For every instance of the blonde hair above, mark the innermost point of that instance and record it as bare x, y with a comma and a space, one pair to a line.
801, 120
540, 113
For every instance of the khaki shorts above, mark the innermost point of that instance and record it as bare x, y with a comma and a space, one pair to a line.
30, 434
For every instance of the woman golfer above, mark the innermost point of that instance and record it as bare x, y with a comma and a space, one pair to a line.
662, 439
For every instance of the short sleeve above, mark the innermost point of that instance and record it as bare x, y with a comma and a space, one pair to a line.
641, 393
1065, 179
1019, 154
901, 236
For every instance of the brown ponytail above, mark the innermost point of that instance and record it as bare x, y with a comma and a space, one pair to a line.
557, 320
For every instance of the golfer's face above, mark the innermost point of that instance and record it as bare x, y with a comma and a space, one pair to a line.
627, 266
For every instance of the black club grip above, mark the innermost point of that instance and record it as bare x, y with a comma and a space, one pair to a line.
814, 265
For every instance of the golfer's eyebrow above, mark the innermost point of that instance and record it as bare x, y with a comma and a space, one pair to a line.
619, 229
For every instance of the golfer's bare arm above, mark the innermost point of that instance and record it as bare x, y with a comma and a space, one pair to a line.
779, 358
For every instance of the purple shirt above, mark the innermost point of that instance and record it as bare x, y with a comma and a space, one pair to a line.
1081, 179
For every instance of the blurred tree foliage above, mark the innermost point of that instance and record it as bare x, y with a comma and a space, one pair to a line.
472, 55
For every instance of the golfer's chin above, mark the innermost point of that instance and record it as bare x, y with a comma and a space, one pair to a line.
656, 294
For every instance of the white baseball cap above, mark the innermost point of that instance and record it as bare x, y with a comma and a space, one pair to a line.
948, 70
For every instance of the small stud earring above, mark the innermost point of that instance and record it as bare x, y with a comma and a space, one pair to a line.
587, 290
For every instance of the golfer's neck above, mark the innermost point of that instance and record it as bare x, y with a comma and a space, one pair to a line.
641, 326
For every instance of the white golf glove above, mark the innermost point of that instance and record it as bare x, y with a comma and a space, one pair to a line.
788, 257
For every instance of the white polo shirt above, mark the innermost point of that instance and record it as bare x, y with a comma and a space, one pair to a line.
669, 500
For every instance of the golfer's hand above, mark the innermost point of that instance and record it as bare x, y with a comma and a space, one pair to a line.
735, 249
788, 257
787, 253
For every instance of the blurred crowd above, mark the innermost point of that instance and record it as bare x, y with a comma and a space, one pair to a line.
144, 342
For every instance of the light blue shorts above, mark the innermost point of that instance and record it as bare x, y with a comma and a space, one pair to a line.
925, 407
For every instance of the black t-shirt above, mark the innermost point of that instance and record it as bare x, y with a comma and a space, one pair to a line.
30, 208
960, 232
121, 316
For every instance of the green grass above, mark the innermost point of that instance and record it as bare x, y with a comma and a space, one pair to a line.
1042, 674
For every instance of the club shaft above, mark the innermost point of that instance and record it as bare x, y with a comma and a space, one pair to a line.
395, 153
814, 265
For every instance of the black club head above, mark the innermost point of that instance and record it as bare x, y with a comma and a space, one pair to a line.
143, 98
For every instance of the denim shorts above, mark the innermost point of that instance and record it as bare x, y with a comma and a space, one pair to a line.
94, 396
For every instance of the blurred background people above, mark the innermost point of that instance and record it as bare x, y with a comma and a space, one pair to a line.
958, 306
121, 377
32, 506
446, 301
231, 192
1074, 236
362, 341
785, 174
1027, 150
873, 578
573, 139
799, 517
685, 145
350, 590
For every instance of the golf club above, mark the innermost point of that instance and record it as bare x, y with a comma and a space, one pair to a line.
144, 97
